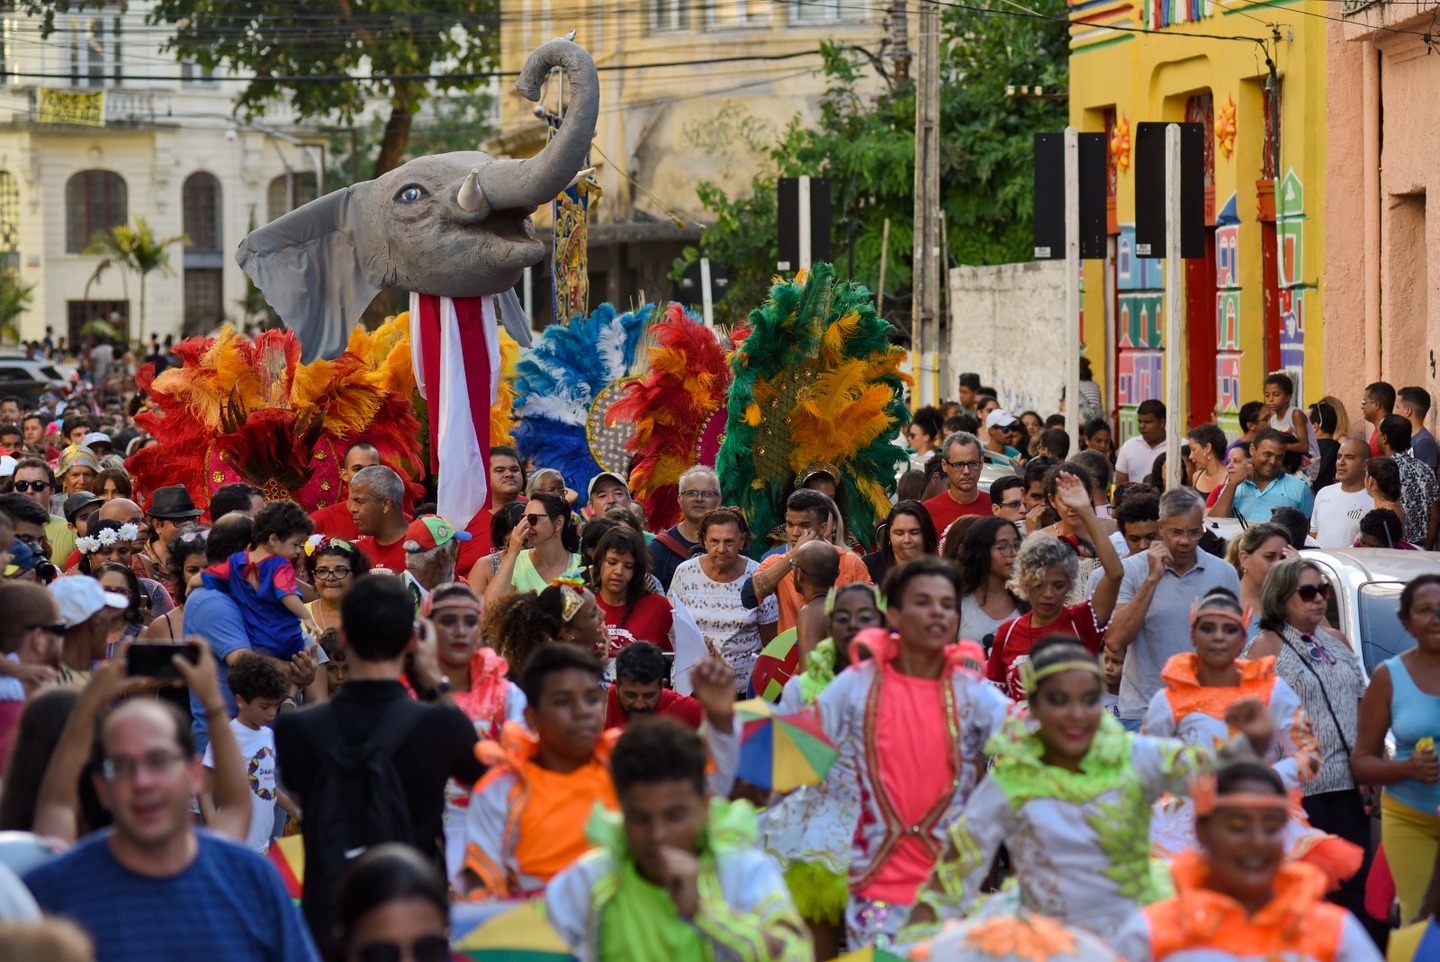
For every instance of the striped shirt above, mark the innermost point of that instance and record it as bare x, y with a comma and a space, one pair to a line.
1338, 670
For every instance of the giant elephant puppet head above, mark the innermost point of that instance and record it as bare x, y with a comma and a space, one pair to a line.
452, 225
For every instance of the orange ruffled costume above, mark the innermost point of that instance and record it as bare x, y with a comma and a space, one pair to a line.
526, 823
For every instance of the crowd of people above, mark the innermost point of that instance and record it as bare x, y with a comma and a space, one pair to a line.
1057, 692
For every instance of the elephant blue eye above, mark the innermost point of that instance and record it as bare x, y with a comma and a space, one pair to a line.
412, 194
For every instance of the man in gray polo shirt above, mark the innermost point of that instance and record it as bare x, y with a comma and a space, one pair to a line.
1152, 622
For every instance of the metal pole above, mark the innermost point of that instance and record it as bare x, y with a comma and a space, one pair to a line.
803, 191
884, 256
529, 292
1072, 286
706, 305
1174, 310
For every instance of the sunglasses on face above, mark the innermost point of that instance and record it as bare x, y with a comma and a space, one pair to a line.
1309, 593
427, 948
22, 487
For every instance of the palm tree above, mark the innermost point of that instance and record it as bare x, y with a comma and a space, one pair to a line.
138, 250
14, 301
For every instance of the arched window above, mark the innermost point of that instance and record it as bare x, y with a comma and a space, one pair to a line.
95, 200
201, 199
277, 196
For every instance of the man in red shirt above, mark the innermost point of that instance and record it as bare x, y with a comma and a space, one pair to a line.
962, 495
377, 495
334, 521
638, 692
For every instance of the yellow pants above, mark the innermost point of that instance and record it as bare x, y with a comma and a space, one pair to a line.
1411, 838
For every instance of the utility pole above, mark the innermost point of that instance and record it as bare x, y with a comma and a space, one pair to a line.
926, 279
900, 40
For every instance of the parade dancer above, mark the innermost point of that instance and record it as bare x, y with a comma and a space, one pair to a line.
675, 877
1070, 796
1239, 899
1200, 688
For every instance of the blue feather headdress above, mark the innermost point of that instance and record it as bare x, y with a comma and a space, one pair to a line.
561, 374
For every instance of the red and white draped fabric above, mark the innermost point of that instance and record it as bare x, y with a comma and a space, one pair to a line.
455, 350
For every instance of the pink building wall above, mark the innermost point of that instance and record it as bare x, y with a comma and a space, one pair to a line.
1382, 223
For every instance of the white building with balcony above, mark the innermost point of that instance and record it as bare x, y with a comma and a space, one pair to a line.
100, 126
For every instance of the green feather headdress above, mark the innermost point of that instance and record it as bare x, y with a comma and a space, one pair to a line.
817, 381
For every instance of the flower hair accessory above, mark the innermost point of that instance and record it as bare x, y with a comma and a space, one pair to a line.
312, 543
90, 544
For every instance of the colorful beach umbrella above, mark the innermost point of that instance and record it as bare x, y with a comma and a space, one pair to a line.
781, 752
518, 934
288, 856
778, 661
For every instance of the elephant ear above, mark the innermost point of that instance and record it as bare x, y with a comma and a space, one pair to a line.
309, 267
513, 316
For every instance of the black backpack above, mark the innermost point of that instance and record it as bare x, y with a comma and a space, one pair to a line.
357, 800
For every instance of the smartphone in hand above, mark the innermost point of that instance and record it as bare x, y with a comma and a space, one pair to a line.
154, 660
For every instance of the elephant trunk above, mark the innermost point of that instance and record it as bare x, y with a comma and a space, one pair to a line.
539, 179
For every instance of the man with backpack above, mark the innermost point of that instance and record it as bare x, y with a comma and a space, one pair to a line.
370, 765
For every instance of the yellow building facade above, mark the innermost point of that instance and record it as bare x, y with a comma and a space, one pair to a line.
689, 92
1254, 303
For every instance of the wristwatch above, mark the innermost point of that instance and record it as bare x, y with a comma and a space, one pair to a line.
441, 689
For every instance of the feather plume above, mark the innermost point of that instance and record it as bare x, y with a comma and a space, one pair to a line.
247, 408
558, 377
816, 380
669, 407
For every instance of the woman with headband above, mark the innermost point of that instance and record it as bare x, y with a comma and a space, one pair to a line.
518, 625
479, 685
1069, 794
1238, 898
1199, 690
810, 830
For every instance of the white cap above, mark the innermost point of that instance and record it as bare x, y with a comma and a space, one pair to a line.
7, 465
96, 437
80, 598
999, 418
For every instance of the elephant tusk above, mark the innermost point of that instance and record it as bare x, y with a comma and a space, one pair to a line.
470, 197
580, 176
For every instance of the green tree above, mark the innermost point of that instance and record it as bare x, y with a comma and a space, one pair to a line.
401, 51
139, 251
15, 300
458, 122
865, 146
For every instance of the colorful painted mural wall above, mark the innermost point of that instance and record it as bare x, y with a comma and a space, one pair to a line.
1203, 69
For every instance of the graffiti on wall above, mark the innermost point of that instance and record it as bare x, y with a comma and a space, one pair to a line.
1140, 288
1290, 230
1227, 311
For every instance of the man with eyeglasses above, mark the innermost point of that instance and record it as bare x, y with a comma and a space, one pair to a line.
1377, 403
1152, 617
34, 479
699, 495
1007, 498
335, 520
153, 886
962, 495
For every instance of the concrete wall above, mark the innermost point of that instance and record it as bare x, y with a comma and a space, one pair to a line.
1386, 313
1007, 325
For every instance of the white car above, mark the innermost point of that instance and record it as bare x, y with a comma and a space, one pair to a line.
28, 379
1365, 586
